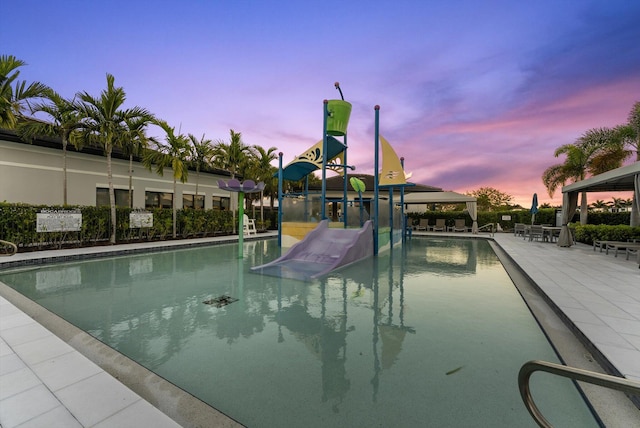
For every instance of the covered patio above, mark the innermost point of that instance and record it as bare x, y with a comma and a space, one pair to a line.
623, 179
426, 198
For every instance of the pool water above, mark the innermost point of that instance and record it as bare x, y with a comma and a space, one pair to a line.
431, 334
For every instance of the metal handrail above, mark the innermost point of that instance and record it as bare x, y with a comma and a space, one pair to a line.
13, 248
613, 382
487, 226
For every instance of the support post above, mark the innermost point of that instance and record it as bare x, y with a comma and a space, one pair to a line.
323, 214
280, 175
375, 180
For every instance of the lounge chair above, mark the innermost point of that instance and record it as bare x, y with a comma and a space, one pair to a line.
423, 224
440, 225
248, 226
459, 225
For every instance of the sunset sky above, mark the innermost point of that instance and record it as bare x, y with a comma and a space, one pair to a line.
472, 93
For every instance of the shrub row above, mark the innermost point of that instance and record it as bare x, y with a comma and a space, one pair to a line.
589, 233
18, 225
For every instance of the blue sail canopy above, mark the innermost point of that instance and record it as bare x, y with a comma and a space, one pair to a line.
311, 160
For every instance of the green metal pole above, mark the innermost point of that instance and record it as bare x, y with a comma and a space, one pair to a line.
240, 223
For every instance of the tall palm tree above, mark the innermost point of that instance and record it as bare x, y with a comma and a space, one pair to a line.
595, 152
201, 154
173, 152
231, 157
264, 171
64, 119
629, 133
104, 125
15, 100
134, 141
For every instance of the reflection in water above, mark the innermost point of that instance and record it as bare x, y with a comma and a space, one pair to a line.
378, 343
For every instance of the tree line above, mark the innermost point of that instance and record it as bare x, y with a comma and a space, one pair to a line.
35, 110
596, 151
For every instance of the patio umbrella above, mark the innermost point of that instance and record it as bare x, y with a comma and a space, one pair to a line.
534, 207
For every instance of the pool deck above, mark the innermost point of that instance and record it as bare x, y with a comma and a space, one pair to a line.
46, 382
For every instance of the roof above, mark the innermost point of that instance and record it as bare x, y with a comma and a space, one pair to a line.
619, 179
336, 183
437, 197
311, 160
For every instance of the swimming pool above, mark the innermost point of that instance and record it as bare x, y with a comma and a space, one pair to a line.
429, 335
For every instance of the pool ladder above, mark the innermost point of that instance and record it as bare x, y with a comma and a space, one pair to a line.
613, 382
7, 248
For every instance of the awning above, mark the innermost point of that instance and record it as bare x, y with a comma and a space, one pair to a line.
311, 160
437, 197
447, 198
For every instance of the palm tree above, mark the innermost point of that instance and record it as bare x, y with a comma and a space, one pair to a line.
104, 125
629, 133
14, 101
595, 152
64, 120
600, 205
231, 157
134, 141
174, 153
264, 171
201, 154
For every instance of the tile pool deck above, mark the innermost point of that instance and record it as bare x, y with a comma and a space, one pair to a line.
46, 382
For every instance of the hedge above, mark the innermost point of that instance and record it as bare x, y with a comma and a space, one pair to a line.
18, 225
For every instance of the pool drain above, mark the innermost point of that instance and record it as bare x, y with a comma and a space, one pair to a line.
221, 301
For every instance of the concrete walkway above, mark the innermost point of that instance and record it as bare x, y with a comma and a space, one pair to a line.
46, 382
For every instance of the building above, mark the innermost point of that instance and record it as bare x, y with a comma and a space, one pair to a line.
33, 174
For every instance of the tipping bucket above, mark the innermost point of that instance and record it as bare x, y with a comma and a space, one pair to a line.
338, 119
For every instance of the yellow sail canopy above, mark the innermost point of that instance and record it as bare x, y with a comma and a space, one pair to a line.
392, 173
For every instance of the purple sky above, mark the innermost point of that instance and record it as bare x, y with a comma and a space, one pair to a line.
472, 93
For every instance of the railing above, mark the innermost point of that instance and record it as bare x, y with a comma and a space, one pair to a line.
7, 248
488, 226
613, 382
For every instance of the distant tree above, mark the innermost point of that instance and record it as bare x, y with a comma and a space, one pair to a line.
600, 204
15, 100
174, 153
63, 119
490, 199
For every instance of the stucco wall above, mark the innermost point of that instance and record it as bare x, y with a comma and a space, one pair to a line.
32, 174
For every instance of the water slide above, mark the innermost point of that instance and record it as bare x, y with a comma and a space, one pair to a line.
321, 251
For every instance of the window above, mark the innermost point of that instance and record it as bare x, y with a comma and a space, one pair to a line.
158, 200
221, 203
102, 197
187, 201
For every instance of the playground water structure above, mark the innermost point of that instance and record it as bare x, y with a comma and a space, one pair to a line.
432, 334
321, 251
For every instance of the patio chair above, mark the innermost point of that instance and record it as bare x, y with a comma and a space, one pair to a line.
423, 224
248, 226
440, 225
519, 229
459, 225
535, 232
